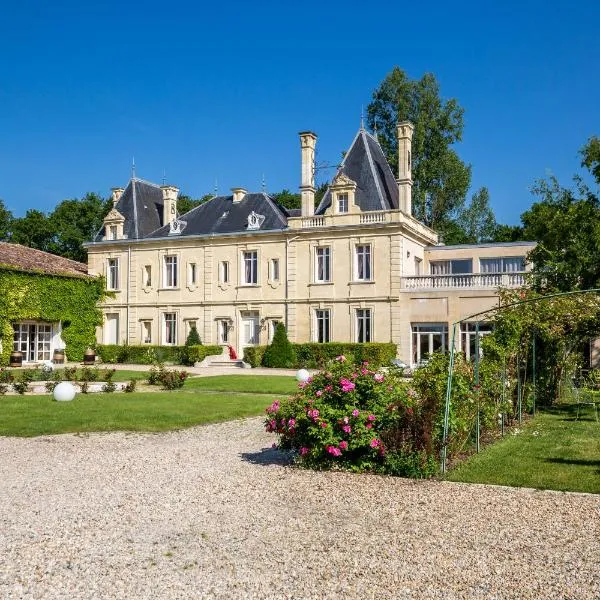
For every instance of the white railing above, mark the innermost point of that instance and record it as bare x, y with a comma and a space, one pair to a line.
314, 222
464, 281
373, 217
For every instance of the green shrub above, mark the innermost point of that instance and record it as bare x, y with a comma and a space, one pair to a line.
352, 417
148, 355
253, 355
189, 355
193, 338
280, 354
168, 379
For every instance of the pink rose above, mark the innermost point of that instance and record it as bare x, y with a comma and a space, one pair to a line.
369, 425
346, 429
319, 393
344, 445
323, 424
355, 412
304, 451
340, 358
347, 386
371, 418
346, 420
378, 377
363, 371
375, 443
291, 422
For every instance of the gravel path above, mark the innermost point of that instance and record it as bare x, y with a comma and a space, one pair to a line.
209, 513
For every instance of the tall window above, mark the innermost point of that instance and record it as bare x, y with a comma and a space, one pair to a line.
146, 332
451, 267
251, 267
468, 338
192, 273
148, 275
363, 263
274, 267
323, 329
170, 328
223, 332
171, 272
323, 264
113, 232
363, 325
342, 203
113, 274
503, 264
428, 338
224, 272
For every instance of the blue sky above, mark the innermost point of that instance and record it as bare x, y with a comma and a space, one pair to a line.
219, 92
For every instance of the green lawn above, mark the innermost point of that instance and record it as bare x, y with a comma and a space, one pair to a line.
253, 384
551, 451
155, 411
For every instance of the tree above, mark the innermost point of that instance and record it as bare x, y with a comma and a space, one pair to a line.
32, 230
280, 353
591, 157
441, 179
5, 222
193, 338
508, 233
287, 199
187, 203
478, 220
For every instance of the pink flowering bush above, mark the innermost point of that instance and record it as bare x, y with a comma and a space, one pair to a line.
351, 417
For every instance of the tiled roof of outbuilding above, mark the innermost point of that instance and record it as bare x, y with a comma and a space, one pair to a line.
365, 164
23, 258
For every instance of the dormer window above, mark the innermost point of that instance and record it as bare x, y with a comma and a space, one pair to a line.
255, 220
342, 203
113, 232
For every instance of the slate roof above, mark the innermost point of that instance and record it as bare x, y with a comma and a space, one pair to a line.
365, 163
221, 215
142, 206
23, 258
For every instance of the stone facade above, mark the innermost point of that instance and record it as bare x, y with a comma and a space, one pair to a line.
359, 268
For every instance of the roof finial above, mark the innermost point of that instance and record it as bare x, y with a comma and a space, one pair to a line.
216, 187
264, 184
362, 116
133, 167
164, 177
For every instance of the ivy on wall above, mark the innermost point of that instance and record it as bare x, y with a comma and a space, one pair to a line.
72, 300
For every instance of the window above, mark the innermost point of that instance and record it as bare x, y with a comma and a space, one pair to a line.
322, 318
418, 265
223, 332
503, 264
170, 272
451, 267
192, 273
363, 263
170, 328
113, 274
146, 332
33, 340
428, 338
224, 272
342, 203
323, 264
250, 271
113, 232
468, 338
274, 268
272, 328
191, 324
363, 325
148, 276
111, 329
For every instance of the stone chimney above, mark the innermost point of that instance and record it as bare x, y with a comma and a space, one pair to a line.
238, 194
169, 193
116, 195
405, 133
308, 141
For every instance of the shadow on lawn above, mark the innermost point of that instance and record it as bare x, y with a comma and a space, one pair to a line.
267, 456
575, 461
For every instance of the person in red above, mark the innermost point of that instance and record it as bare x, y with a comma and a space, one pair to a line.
232, 353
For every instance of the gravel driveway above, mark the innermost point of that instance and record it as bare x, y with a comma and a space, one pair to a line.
211, 512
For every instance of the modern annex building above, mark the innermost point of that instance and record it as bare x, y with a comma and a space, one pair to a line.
358, 268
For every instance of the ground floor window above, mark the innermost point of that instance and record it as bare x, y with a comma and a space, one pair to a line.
428, 338
363, 325
223, 332
468, 338
323, 325
170, 328
146, 332
33, 340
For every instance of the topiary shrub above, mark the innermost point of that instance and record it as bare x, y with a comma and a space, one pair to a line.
189, 355
280, 354
352, 417
193, 338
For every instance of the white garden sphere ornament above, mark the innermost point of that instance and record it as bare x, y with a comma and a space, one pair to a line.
64, 392
302, 375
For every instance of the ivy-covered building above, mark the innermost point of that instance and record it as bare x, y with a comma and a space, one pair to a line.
47, 303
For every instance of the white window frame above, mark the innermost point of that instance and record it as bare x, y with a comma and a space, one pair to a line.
252, 256
342, 203
366, 250
468, 334
274, 273
426, 330
113, 232
165, 328
171, 271
113, 274
322, 331
143, 324
192, 274
224, 272
323, 255
364, 325
223, 331
147, 275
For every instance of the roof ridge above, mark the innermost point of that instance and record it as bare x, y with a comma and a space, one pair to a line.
276, 207
375, 175
138, 179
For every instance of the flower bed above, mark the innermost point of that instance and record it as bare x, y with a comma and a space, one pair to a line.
352, 417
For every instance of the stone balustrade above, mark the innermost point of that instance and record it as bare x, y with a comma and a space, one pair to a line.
464, 281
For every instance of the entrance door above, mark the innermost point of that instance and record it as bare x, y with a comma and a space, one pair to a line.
111, 329
33, 340
250, 330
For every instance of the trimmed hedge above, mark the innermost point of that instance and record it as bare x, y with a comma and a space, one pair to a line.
147, 355
317, 355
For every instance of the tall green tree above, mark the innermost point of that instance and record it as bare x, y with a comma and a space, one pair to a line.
33, 230
187, 203
477, 220
441, 179
591, 157
5, 222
